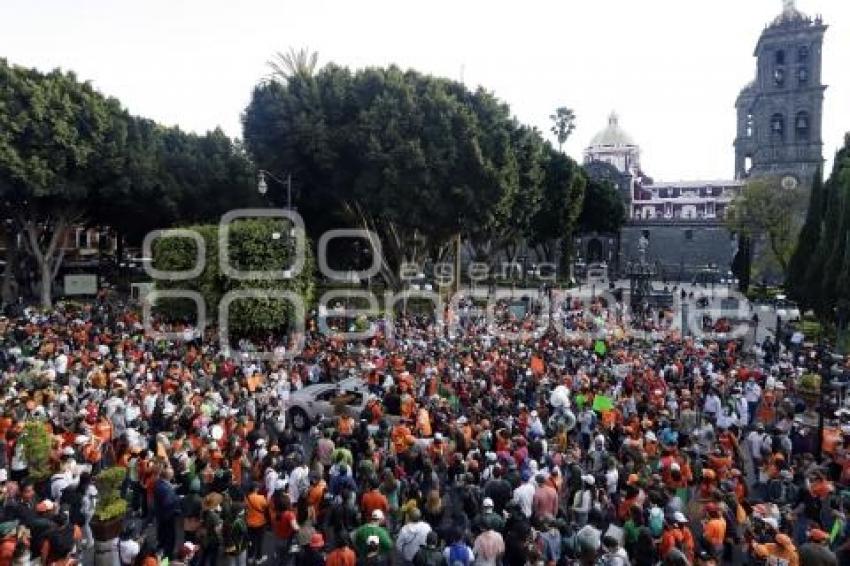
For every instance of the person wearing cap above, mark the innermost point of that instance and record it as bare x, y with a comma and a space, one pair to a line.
816, 551
372, 528
374, 500
488, 518
781, 550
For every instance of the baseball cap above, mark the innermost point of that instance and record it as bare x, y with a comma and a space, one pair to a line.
487, 503
377, 515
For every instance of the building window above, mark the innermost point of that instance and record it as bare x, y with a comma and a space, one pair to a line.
749, 125
803, 75
777, 126
779, 76
803, 54
689, 235
801, 125
780, 56
748, 164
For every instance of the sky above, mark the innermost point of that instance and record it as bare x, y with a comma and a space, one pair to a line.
670, 68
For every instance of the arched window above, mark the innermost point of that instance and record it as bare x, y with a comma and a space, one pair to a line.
801, 125
780, 56
749, 125
803, 54
748, 164
777, 126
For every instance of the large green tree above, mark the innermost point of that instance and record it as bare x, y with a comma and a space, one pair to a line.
766, 211
603, 208
552, 226
60, 141
417, 159
807, 244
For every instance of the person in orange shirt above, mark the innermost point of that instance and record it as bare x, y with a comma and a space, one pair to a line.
343, 554
315, 496
256, 518
782, 551
374, 499
714, 529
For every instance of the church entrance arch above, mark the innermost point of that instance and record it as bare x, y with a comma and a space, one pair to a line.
595, 251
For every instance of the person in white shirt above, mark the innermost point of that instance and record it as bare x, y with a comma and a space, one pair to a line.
524, 494
412, 536
712, 406
752, 393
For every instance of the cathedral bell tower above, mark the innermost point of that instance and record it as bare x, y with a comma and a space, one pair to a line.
780, 113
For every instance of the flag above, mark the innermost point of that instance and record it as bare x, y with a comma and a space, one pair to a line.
602, 403
600, 347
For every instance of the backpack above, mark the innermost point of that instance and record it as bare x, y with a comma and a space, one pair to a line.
458, 555
656, 521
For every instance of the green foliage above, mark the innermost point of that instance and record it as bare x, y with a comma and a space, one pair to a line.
827, 275
765, 209
417, 159
810, 382
110, 505
36, 443
563, 124
603, 210
71, 155
564, 183
807, 244
252, 247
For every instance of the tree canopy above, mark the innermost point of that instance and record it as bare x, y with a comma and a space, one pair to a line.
70, 155
415, 158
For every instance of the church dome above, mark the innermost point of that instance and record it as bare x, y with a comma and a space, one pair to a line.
613, 135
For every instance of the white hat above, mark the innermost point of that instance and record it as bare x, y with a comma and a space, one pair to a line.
674, 467
533, 413
377, 515
67, 451
4, 475
679, 517
588, 479
81, 439
487, 502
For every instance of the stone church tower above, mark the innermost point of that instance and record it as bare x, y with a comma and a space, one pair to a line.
780, 112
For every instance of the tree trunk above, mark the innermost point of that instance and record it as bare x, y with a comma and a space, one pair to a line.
9, 290
48, 260
46, 285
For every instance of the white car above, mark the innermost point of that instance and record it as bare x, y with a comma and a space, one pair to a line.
313, 402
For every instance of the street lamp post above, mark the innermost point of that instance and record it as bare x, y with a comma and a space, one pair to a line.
262, 186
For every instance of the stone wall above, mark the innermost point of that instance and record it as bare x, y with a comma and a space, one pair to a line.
679, 249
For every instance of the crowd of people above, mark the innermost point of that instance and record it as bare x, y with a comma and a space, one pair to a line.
591, 447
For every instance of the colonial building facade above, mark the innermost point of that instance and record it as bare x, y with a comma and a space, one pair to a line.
779, 117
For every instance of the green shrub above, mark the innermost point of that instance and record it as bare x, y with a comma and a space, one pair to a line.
110, 505
35, 440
